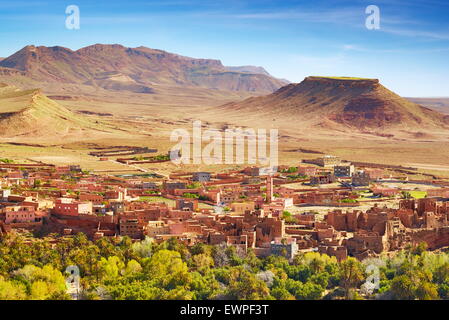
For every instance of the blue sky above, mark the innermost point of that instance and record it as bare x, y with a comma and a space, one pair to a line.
291, 39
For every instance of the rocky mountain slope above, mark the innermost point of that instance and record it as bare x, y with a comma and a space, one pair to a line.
345, 102
115, 67
30, 114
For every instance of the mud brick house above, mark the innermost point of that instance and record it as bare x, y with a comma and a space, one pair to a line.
324, 231
361, 179
18, 198
213, 196
344, 170
435, 238
181, 192
149, 186
177, 228
238, 242
171, 186
364, 241
375, 173
116, 206
241, 207
155, 228
307, 171
268, 229
216, 238
71, 207
434, 221
92, 197
252, 180
320, 197
132, 228
339, 252
182, 204
20, 214
285, 192
367, 243
339, 220
397, 234
256, 171
143, 215
278, 204
426, 205
286, 247
62, 170
385, 192
252, 191
407, 204
372, 220
323, 179
441, 192
180, 214
408, 217
201, 176
325, 161
306, 219
228, 197
119, 195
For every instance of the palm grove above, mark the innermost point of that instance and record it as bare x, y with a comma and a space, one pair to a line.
121, 269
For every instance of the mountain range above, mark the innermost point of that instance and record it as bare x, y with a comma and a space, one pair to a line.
139, 70
133, 76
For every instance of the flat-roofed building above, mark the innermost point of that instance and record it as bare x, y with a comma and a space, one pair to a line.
361, 179
201, 176
344, 170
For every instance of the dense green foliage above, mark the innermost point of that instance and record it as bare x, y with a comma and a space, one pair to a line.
122, 269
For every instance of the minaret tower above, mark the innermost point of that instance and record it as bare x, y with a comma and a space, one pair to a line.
269, 188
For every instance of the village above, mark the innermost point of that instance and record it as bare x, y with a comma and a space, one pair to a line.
326, 205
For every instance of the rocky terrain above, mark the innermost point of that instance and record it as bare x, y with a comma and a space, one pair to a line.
139, 70
350, 102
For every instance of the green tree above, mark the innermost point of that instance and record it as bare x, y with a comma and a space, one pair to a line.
243, 285
202, 262
110, 268
351, 274
10, 290
403, 288
167, 268
43, 283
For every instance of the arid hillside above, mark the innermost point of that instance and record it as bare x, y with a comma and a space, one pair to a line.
438, 104
29, 115
139, 70
336, 103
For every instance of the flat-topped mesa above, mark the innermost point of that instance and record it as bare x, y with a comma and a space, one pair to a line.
356, 103
341, 81
331, 85
338, 79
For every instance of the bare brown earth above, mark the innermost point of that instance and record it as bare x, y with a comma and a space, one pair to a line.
438, 104
150, 125
328, 118
138, 70
362, 105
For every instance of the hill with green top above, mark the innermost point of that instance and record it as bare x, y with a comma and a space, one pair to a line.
333, 102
